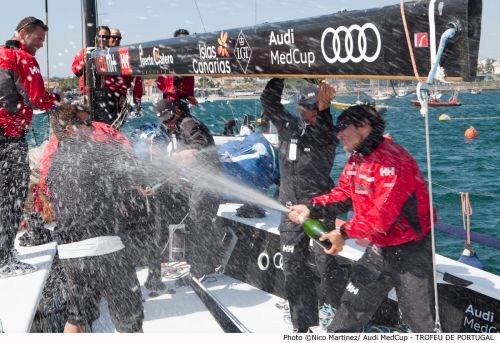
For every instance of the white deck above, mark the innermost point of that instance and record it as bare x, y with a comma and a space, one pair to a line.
183, 312
19, 295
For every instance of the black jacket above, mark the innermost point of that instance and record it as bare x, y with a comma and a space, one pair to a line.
90, 182
309, 174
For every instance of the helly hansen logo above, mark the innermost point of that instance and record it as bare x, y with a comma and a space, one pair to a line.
124, 56
387, 171
34, 70
352, 289
288, 248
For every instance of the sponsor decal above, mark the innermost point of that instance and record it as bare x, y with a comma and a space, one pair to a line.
288, 248
111, 63
124, 57
352, 289
387, 171
242, 51
212, 59
421, 40
479, 320
344, 39
34, 70
156, 58
100, 62
293, 56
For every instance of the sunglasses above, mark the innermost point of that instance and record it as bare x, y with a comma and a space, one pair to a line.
104, 37
342, 126
116, 37
35, 21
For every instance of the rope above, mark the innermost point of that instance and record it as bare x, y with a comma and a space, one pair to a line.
408, 41
466, 213
423, 94
472, 118
199, 14
459, 192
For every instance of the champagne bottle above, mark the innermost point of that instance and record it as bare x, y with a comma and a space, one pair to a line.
315, 228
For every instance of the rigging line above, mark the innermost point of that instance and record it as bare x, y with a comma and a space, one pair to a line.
474, 194
472, 118
408, 41
466, 213
47, 40
199, 14
425, 112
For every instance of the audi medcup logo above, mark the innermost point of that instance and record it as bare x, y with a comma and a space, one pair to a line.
337, 53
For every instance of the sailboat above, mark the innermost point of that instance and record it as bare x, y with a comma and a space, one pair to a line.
243, 297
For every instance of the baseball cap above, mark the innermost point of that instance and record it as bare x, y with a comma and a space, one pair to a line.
165, 110
308, 97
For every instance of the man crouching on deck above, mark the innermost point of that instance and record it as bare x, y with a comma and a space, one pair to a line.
89, 180
382, 183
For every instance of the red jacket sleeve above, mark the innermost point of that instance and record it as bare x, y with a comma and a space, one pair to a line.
341, 193
138, 88
45, 161
31, 85
78, 63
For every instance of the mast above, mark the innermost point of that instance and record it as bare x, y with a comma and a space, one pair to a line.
90, 30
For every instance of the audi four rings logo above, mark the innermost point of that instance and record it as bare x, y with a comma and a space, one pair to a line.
337, 53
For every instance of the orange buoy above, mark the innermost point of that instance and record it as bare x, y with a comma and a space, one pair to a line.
471, 133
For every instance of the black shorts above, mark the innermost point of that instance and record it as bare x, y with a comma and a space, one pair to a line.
109, 276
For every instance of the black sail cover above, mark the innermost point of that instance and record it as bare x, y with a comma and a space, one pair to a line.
356, 44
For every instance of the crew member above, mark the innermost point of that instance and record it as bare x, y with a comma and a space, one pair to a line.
21, 89
307, 150
382, 183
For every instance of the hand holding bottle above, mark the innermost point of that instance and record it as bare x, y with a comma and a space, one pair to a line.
298, 213
336, 239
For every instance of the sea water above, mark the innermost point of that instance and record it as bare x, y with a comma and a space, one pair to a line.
457, 165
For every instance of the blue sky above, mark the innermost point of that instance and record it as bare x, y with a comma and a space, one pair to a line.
145, 20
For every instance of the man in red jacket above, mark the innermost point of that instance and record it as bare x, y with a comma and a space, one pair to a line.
78, 66
382, 183
121, 84
175, 88
21, 89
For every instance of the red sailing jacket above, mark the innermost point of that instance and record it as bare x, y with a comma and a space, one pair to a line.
102, 133
118, 84
21, 89
388, 193
184, 89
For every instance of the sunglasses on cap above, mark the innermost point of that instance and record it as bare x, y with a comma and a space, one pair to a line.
34, 21
342, 125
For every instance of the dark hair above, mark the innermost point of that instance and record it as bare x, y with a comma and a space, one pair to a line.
105, 27
179, 32
29, 24
67, 114
358, 115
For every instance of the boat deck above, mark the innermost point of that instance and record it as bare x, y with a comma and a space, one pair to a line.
184, 312
19, 295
